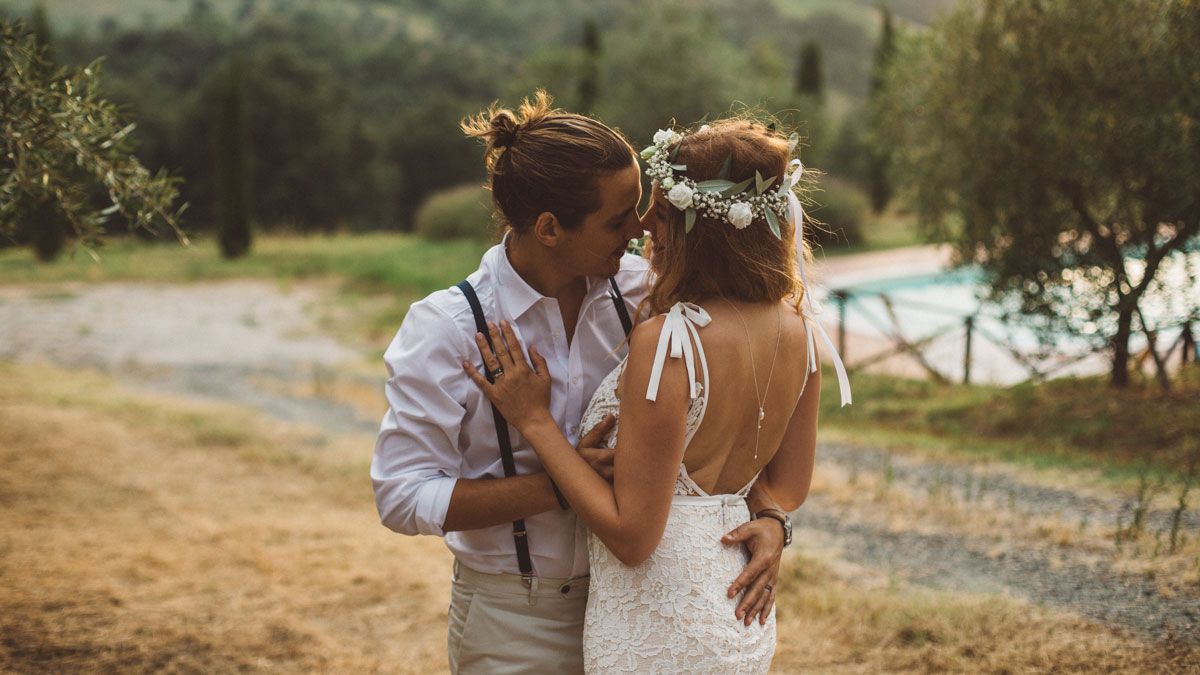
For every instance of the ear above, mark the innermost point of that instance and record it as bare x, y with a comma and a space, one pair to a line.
547, 230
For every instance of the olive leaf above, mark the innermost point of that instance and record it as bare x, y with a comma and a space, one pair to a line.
689, 220
735, 189
715, 185
773, 221
724, 172
760, 184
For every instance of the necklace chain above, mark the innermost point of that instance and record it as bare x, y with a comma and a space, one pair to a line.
750, 348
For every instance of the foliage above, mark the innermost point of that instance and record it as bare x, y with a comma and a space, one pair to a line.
463, 212
840, 211
1055, 144
66, 151
352, 108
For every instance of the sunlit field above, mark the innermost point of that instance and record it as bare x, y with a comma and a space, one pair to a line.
151, 534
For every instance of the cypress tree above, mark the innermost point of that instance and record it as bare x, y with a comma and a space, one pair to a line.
809, 81
589, 82
878, 186
232, 185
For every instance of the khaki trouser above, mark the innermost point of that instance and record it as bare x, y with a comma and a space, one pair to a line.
499, 625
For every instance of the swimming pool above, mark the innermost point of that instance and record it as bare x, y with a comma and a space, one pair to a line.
939, 310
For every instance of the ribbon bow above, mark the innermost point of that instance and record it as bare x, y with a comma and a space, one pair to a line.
682, 318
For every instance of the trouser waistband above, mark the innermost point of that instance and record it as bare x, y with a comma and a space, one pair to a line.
515, 584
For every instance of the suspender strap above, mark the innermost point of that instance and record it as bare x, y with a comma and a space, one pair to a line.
622, 311
520, 536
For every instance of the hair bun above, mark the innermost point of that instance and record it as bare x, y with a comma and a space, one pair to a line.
504, 128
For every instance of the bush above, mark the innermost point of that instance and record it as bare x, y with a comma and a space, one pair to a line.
463, 212
839, 212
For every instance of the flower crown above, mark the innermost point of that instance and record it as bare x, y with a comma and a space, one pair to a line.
722, 199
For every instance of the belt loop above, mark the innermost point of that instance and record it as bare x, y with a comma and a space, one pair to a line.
532, 583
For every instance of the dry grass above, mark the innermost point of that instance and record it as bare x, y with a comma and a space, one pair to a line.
837, 622
141, 534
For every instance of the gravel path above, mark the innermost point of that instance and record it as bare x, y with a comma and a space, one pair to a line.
219, 340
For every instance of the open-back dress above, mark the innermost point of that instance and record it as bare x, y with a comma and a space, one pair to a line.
670, 614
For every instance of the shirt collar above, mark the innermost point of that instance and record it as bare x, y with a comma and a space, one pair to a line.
518, 296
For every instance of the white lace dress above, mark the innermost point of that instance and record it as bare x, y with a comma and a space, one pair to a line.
670, 614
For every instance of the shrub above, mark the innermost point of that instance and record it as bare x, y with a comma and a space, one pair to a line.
463, 212
839, 212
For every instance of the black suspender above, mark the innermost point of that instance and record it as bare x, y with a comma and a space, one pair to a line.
619, 301
520, 535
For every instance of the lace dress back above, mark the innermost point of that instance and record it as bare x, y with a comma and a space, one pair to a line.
670, 614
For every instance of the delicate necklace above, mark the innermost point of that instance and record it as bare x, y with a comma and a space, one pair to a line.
750, 348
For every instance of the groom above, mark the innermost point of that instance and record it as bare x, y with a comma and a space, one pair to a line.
567, 187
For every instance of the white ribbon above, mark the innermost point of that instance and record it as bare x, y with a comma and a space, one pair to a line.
682, 318
796, 214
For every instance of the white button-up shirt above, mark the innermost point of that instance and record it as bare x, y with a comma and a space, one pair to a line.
440, 428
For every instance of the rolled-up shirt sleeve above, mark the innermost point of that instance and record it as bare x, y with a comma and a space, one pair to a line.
417, 460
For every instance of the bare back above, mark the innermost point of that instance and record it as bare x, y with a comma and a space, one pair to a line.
721, 456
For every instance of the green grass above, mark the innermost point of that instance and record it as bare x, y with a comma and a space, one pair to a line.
881, 231
1069, 423
370, 263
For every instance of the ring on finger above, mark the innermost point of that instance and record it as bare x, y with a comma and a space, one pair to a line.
770, 588
497, 372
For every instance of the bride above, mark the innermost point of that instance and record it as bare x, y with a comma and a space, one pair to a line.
720, 390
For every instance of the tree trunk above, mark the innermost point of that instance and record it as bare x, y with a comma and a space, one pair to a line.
1120, 343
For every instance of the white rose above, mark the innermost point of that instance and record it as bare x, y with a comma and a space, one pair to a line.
663, 136
740, 215
668, 183
680, 196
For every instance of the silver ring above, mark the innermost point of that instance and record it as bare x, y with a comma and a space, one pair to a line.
496, 373
770, 588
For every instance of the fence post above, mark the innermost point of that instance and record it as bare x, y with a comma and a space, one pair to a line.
1189, 345
970, 326
840, 296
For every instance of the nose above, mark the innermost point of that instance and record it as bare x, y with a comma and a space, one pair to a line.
647, 223
633, 226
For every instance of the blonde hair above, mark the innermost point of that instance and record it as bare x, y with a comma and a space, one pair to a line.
716, 259
543, 159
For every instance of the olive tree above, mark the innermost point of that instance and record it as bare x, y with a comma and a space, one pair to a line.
1056, 143
65, 159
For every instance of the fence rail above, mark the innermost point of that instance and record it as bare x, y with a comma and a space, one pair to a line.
973, 327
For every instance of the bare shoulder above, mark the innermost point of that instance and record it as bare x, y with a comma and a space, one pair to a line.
644, 338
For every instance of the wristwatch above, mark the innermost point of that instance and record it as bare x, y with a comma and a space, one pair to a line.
783, 519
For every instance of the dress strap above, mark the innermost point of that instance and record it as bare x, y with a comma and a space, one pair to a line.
683, 318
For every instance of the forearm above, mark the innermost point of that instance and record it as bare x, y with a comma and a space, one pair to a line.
759, 498
590, 496
486, 502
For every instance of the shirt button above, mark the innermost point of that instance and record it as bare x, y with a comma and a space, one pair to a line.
575, 380
557, 335
566, 589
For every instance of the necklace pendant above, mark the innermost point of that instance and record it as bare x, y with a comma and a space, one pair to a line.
761, 415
